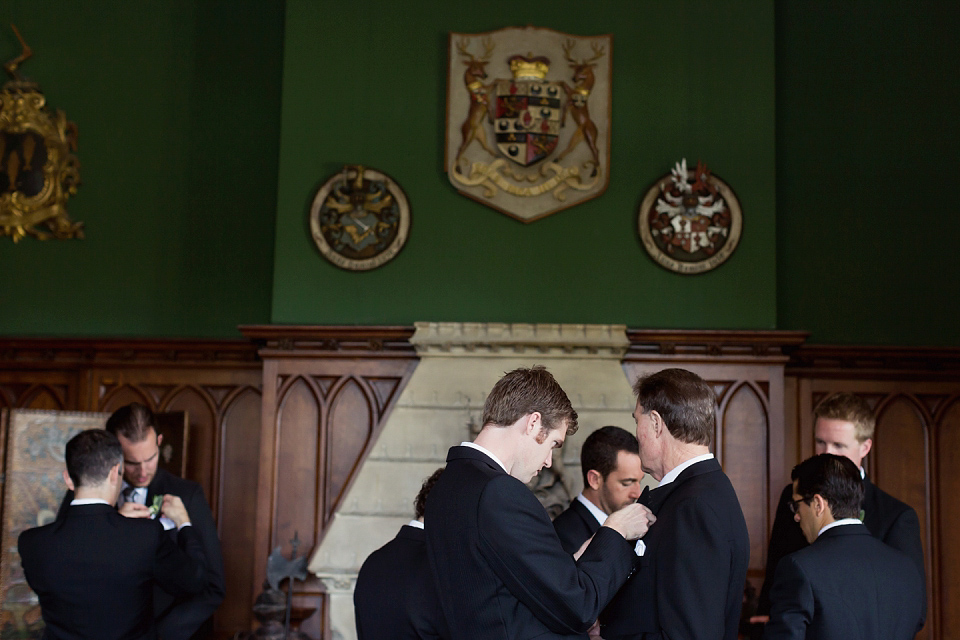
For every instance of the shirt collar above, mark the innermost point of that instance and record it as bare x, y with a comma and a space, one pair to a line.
82, 501
592, 508
677, 470
416, 524
837, 523
485, 452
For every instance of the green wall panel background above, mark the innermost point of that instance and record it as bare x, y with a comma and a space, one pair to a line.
177, 105
691, 79
837, 127
868, 168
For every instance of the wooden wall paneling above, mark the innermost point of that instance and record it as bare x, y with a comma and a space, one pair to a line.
237, 510
946, 577
202, 414
300, 462
217, 382
327, 392
54, 390
900, 464
745, 425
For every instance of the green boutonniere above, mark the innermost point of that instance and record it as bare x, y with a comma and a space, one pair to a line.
862, 514
155, 507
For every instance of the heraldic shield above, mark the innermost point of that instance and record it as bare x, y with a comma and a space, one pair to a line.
528, 119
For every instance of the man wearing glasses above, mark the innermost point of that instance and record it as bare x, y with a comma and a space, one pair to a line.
846, 584
844, 425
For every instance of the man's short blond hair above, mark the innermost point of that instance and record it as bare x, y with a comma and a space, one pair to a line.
849, 408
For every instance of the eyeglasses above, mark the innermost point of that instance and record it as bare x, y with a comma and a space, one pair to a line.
795, 505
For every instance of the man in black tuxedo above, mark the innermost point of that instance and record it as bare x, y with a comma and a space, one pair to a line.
846, 583
395, 598
178, 617
94, 570
689, 581
499, 567
610, 462
844, 425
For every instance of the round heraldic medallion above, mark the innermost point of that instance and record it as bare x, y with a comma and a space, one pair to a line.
690, 221
360, 219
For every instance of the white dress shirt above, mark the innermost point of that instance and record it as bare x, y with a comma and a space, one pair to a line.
677, 470
838, 523
485, 451
601, 517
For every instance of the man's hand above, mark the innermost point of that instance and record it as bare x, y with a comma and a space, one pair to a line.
632, 521
134, 510
759, 619
173, 508
594, 631
583, 547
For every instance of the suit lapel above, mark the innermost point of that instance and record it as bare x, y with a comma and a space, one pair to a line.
870, 506
585, 515
156, 486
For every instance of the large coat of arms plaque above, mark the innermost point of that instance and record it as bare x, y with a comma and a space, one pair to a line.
528, 119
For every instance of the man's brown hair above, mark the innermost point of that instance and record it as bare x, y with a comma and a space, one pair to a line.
849, 408
686, 403
421, 502
524, 391
133, 422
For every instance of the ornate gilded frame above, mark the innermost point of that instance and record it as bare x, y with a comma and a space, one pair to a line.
38, 170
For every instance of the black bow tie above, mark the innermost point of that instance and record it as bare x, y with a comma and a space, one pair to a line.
644, 498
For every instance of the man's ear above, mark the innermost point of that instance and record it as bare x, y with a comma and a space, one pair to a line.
68, 481
818, 504
533, 423
658, 424
865, 447
594, 479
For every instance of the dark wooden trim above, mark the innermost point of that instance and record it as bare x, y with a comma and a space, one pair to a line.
80, 353
879, 362
309, 341
712, 345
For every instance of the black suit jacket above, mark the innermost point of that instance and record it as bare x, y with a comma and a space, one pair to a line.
689, 582
180, 617
846, 585
499, 568
94, 572
575, 526
888, 519
395, 598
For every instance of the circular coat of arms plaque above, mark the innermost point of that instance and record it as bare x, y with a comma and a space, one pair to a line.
360, 219
690, 221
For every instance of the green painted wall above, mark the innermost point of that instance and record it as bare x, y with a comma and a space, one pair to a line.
836, 126
868, 171
691, 79
177, 105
